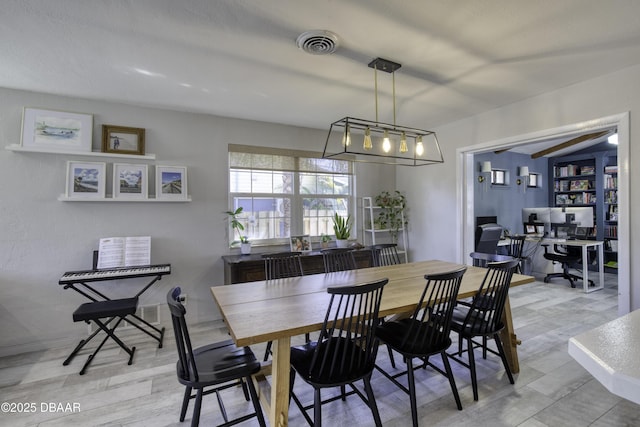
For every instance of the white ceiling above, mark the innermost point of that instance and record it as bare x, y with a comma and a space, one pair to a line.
238, 58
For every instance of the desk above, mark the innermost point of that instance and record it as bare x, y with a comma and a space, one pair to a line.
610, 353
277, 310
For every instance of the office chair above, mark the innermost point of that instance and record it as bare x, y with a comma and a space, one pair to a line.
216, 366
487, 238
346, 350
567, 256
425, 333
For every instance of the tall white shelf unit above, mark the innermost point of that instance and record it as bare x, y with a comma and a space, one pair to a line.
372, 236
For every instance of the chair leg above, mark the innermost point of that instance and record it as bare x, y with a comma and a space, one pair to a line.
243, 383
412, 391
452, 381
317, 408
472, 368
185, 402
503, 356
267, 352
391, 359
195, 420
372, 401
256, 401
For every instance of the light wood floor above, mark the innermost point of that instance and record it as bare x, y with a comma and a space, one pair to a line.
550, 390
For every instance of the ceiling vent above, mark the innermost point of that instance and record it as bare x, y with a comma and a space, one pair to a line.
318, 42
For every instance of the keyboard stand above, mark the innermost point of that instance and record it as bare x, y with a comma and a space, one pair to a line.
82, 286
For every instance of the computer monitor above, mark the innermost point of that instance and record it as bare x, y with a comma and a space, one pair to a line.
536, 215
581, 216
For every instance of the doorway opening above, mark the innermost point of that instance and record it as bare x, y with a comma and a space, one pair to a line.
468, 168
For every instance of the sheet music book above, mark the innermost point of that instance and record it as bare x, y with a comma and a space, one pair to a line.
124, 251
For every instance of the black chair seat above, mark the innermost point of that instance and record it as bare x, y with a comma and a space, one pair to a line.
302, 357
473, 326
561, 258
102, 309
219, 362
393, 334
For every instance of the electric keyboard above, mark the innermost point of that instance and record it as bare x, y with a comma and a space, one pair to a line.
114, 273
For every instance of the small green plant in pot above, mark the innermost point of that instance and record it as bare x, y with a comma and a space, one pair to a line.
390, 217
245, 245
342, 229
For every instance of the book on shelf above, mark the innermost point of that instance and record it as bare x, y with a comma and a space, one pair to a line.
587, 170
611, 169
114, 252
610, 181
579, 185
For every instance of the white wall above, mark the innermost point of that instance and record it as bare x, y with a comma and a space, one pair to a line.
435, 205
41, 237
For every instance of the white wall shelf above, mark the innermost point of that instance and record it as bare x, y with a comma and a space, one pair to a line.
370, 233
65, 198
19, 148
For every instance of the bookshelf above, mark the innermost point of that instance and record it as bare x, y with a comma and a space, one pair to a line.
610, 205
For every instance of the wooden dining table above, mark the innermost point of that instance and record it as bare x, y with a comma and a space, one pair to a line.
277, 310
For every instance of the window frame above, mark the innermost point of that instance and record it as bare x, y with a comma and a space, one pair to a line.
296, 197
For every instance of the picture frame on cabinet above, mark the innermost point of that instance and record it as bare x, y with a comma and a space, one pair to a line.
130, 181
122, 140
86, 180
171, 183
301, 243
53, 131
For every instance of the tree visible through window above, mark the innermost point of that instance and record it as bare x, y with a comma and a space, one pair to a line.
285, 193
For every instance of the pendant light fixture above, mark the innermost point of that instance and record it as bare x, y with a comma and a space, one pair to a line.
382, 142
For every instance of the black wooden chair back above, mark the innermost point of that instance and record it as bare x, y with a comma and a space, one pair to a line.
430, 324
347, 348
485, 313
385, 254
516, 246
188, 371
282, 264
338, 259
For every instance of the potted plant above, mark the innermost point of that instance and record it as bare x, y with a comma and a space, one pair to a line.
324, 241
392, 208
245, 245
342, 229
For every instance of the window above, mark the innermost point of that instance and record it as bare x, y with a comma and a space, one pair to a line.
287, 192
498, 177
534, 180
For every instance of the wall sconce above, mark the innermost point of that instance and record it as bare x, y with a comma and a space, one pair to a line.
485, 169
524, 173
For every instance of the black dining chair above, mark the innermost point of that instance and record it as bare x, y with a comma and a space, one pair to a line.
424, 334
515, 248
214, 367
338, 259
280, 265
385, 254
482, 317
345, 352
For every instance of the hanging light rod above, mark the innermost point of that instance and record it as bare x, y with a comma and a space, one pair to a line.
412, 147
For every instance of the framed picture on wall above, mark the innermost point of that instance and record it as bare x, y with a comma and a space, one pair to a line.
52, 131
301, 243
171, 183
122, 140
86, 180
130, 181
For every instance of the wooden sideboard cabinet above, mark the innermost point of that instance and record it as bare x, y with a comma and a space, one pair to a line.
250, 268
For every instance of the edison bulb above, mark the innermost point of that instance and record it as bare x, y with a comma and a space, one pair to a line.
419, 146
386, 143
367, 145
403, 143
